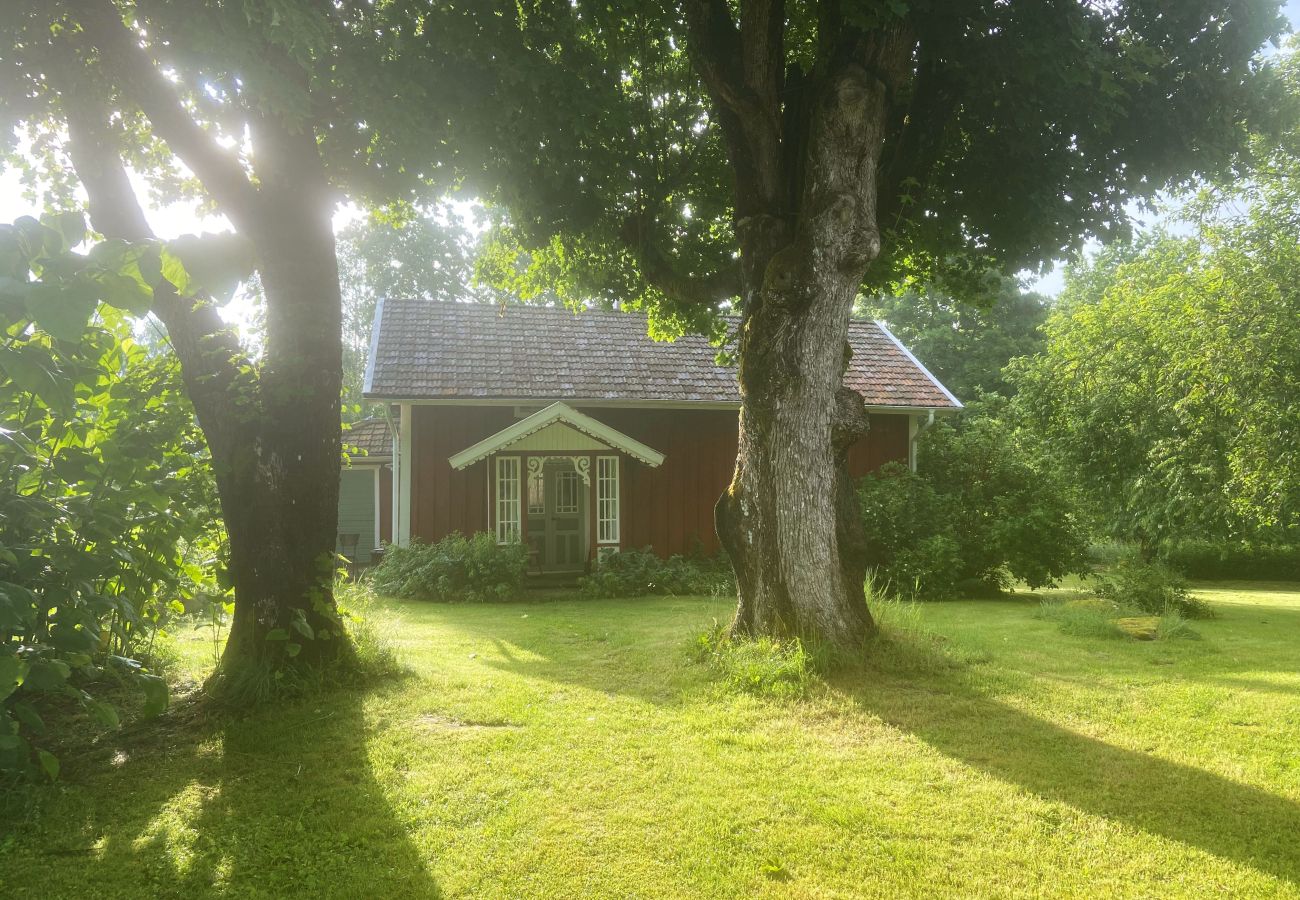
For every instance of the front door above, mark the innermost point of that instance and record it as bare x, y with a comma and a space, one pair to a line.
557, 507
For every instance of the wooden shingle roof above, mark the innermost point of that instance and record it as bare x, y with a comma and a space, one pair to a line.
370, 437
423, 350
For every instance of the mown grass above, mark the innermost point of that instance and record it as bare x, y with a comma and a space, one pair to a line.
566, 748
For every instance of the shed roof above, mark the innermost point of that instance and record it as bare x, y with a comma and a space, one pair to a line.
423, 350
371, 437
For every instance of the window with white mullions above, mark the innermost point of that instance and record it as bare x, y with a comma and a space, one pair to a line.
566, 492
607, 499
508, 500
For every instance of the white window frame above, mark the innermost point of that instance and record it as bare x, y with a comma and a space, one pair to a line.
608, 501
509, 500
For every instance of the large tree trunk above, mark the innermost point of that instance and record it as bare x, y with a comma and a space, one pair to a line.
282, 510
273, 434
790, 520
281, 505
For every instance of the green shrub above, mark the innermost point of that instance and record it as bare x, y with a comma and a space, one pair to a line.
1243, 561
640, 573
978, 514
764, 667
455, 569
1152, 588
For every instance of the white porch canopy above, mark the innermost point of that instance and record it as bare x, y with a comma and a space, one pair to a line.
560, 418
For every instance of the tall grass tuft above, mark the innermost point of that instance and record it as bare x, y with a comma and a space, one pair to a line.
764, 667
902, 642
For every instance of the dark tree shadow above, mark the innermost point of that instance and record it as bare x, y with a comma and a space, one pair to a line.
1231, 820
279, 804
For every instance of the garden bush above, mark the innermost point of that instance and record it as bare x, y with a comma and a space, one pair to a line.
455, 569
640, 573
1153, 588
106, 501
978, 514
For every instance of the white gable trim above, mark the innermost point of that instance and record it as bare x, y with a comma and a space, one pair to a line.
369, 377
556, 412
916, 362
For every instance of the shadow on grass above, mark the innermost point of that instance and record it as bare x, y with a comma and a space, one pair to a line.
279, 804
1230, 820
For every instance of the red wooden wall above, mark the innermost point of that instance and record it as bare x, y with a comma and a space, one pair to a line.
669, 508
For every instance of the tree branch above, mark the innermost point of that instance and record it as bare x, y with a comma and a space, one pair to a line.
744, 83
220, 173
212, 361
661, 272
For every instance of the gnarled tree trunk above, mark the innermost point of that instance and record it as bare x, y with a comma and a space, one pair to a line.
806, 152
273, 429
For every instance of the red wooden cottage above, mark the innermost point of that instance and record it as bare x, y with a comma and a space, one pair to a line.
576, 432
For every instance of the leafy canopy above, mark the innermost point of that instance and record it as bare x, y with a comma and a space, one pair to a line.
1170, 381
1019, 128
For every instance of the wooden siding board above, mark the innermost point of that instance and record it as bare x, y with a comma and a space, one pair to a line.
386, 505
664, 507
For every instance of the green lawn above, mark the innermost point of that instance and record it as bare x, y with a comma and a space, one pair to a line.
571, 748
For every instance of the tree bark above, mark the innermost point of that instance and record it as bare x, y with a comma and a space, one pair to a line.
790, 520
281, 508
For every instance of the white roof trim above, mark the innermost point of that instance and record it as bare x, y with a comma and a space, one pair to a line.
369, 377
916, 362
556, 412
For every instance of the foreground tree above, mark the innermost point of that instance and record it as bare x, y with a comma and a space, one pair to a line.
273, 111
780, 156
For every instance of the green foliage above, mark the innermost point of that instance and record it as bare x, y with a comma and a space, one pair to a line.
1170, 381
428, 253
1019, 132
965, 344
1241, 561
640, 573
1151, 587
1098, 617
979, 512
456, 569
761, 666
105, 494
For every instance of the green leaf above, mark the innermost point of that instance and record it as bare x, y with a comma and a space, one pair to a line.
302, 626
277, 634
50, 763
155, 695
48, 674
12, 673
177, 607
26, 713
173, 270
103, 713
30, 370
293, 649
71, 226
215, 263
